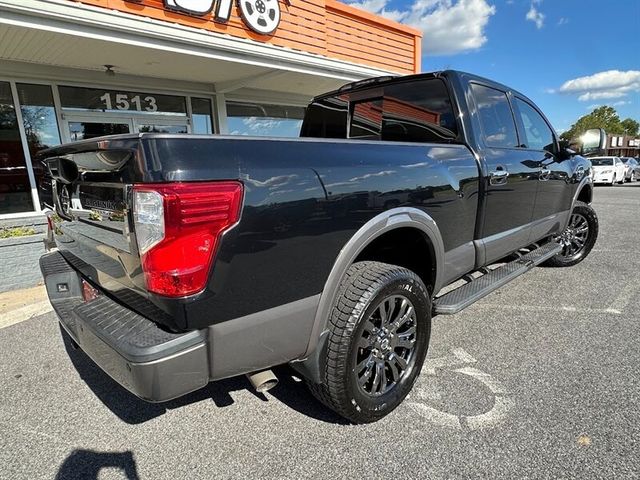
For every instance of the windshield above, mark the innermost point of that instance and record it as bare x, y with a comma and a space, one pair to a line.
601, 161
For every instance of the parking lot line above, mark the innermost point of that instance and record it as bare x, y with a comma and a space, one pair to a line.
547, 308
21, 314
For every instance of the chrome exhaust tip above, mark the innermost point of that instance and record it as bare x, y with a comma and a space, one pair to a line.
262, 381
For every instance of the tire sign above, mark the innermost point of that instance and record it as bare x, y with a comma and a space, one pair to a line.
261, 16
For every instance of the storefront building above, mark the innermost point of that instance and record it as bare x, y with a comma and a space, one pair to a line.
622, 146
78, 69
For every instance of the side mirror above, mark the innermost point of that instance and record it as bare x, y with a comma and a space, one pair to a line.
566, 150
594, 141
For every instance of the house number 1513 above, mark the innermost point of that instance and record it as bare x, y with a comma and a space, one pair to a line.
122, 101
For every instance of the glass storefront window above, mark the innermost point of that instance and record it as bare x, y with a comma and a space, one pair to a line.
118, 101
264, 120
15, 189
41, 129
38, 116
201, 114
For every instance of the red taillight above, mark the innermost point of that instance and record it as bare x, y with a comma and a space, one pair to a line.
178, 239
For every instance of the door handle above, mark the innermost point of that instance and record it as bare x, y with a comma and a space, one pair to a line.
498, 176
545, 173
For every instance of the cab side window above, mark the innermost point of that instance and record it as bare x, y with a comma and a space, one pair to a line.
496, 119
536, 135
418, 111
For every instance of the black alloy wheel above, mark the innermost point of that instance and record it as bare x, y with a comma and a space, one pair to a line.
379, 333
578, 238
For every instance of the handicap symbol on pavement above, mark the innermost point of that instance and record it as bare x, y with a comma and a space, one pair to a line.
461, 363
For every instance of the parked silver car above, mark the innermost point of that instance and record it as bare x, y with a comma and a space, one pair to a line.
631, 169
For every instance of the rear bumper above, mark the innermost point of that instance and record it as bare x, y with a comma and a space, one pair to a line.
152, 363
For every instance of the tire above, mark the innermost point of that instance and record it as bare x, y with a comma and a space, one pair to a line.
582, 214
363, 378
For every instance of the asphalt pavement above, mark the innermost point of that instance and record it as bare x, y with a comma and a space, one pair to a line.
540, 379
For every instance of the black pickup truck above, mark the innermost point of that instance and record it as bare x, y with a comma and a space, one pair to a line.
177, 260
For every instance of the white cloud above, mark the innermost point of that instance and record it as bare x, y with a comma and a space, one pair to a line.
585, 97
562, 21
448, 26
535, 15
619, 103
603, 85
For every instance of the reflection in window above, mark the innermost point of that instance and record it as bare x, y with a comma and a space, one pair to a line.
15, 189
41, 128
419, 111
38, 116
85, 130
162, 129
495, 117
264, 120
201, 114
366, 119
537, 132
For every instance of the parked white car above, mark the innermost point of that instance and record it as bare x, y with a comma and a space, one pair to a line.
608, 170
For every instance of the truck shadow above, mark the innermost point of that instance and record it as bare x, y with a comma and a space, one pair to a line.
132, 410
86, 465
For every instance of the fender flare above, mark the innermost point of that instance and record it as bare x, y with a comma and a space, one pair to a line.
586, 180
312, 359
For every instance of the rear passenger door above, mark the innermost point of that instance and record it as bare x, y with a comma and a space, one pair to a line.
554, 197
511, 179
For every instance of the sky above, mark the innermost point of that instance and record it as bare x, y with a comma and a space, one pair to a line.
568, 56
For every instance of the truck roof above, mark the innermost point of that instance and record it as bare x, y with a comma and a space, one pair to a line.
390, 80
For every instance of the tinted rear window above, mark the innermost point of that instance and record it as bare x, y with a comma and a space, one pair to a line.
416, 111
327, 118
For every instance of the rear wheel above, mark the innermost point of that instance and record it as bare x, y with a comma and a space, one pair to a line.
379, 333
578, 238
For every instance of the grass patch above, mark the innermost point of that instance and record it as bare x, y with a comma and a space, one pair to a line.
16, 232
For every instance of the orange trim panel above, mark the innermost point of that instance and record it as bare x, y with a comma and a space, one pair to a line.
322, 27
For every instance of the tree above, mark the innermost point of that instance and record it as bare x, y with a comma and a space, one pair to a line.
604, 117
630, 127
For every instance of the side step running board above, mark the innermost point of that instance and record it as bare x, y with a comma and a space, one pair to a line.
476, 288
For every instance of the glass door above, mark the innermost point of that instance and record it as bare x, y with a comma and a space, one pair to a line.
85, 127
161, 125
